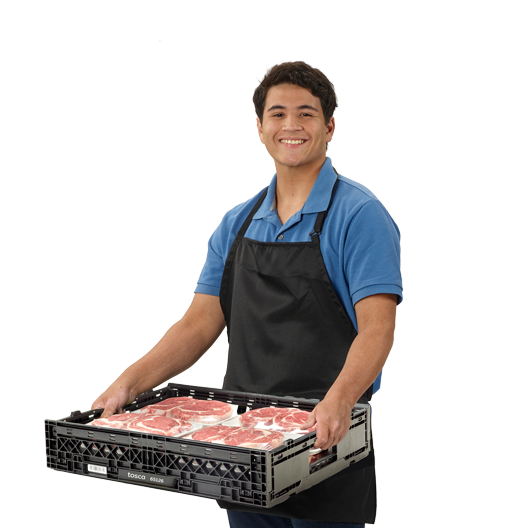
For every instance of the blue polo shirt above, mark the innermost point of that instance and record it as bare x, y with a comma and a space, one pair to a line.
359, 240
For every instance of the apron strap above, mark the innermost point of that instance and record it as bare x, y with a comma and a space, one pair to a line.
232, 252
318, 226
246, 223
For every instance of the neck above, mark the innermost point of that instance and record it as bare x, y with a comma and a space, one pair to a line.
293, 187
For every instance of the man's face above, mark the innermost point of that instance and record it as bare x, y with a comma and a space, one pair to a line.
293, 129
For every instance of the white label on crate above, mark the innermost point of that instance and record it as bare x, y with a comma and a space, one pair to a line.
97, 469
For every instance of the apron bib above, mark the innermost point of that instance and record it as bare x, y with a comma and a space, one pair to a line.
289, 336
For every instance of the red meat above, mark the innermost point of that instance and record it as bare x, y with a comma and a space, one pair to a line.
291, 421
254, 438
239, 436
203, 411
276, 419
116, 421
215, 433
162, 425
260, 417
183, 408
163, 408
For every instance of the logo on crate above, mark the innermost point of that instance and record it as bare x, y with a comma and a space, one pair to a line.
135, 476
125, 474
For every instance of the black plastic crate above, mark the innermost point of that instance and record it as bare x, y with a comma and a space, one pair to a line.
234, 474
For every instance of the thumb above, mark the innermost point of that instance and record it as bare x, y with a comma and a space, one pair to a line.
310, 422
110, 408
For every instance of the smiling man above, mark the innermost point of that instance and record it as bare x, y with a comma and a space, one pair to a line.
306, 278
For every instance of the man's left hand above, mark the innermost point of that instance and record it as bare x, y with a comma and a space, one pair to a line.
333, 417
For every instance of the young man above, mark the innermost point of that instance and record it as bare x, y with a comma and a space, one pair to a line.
300, 274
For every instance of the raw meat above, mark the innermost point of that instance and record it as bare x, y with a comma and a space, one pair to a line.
260, 417
116, 421
163, 408
288, 420
203, 411
318, 456
183, 408
214, 433
238, 436
254, 438
162, 425
292, 420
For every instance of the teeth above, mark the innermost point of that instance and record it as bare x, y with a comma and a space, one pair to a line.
293, 141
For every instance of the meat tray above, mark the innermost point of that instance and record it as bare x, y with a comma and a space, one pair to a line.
234, 474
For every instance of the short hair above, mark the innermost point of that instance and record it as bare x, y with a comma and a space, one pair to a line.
303, 75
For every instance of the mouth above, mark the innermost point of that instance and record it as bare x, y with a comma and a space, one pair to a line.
292, 142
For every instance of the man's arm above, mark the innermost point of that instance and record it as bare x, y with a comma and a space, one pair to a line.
182, 345
370, 349
368, 353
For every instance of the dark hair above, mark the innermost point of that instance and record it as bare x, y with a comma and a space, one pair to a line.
303, 75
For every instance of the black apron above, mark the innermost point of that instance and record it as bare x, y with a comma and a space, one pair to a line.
289, 336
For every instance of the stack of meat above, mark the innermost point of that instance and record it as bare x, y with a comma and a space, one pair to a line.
284, 420
190, 409
258, 429
170, 417
238, 436
150, 424
280, 419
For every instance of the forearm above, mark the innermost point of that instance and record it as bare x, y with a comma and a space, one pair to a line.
365, 360
182, 345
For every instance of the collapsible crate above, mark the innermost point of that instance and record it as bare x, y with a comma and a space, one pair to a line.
234, 474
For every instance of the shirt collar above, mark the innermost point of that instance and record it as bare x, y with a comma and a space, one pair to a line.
317, 200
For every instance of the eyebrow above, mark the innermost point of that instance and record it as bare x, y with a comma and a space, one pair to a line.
302, 107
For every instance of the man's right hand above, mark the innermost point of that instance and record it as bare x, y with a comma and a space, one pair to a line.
113, 400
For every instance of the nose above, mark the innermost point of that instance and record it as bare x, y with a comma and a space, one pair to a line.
291, 123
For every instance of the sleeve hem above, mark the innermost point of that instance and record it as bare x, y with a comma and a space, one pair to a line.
207, 289
375, 289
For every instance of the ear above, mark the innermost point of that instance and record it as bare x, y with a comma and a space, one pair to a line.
260, 130
330, 127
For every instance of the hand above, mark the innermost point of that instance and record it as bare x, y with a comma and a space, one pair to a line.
333, 418
113, 400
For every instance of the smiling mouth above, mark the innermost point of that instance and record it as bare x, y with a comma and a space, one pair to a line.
293, 141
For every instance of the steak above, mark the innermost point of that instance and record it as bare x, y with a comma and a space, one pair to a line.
260, 417
163, 408
288, 420
214, 433
292, 421
254, 438
162, 425
183, 408
116, 421
238, 436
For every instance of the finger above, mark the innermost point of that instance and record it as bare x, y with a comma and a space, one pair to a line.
110, 408
309, 422
321, 436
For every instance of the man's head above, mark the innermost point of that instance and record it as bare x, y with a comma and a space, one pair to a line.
300, 74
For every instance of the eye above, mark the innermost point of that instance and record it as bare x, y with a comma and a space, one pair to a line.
278, 115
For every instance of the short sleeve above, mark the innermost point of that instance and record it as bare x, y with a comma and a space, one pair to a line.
372, 253
209, 281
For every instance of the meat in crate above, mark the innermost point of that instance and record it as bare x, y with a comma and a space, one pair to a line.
260, 457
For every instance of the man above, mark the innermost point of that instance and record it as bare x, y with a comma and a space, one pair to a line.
300, 274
